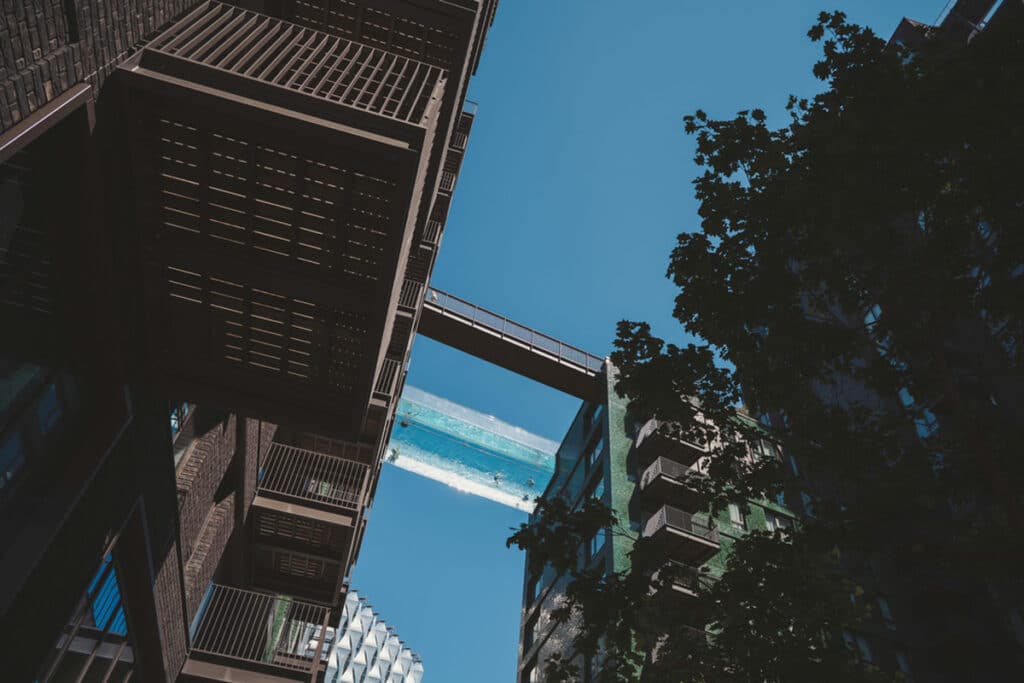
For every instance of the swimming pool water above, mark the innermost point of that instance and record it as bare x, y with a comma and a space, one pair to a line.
470, 451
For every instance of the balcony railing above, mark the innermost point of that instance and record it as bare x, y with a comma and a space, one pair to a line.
240, 44
313, 477
502, 326
387, 379
657, 439
667, 468
448, 181
411, 295
684, 576
271, 632
668, 517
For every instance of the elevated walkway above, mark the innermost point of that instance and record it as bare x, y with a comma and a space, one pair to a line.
510, 345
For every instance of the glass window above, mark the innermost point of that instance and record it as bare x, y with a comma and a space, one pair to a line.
886, 612
12, 459
595, 453
48, 409
808, 503
926, 424
865, 649
597, 542
736, 516
792, 465
903, 662
906, 398
872, 316
774, 521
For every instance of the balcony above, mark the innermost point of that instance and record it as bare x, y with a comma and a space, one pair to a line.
666, 482
684, 538
655, 440
683, 583
305, 513
274, 170
257, 637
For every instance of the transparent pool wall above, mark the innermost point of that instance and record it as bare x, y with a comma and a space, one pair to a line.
470, 451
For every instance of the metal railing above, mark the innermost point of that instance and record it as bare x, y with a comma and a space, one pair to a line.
263, 629
670, 468
315, 477
684, 575
668, 516
432, 233
411, 295
385, 386
275, 52
658, 428
448, 181
509, 329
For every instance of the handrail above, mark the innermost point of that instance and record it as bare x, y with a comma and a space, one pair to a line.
262, 629
682, 520
506, 328
315, 477
669, 468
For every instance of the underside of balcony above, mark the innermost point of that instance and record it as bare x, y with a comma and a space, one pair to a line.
684, 537
305, 514
275, 171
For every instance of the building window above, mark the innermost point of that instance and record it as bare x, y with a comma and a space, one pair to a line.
863, 647
101, 635
777, 522
594, 454
530, 633
736, 517
48, 409
596, 543
531, 674
903, 662
808, 503
12, 459
792, 466
595, 415
886, 612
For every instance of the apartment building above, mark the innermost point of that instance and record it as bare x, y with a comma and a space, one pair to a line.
218, 223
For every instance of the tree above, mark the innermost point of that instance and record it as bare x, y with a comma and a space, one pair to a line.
857, 275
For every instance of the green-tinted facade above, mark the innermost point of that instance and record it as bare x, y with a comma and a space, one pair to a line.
635, 471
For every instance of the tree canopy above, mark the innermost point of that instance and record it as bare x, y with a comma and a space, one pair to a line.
856, 274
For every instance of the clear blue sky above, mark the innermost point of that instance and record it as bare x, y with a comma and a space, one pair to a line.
576, 182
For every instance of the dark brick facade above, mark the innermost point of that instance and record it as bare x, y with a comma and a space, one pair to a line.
201, 472
207, 551
46, 46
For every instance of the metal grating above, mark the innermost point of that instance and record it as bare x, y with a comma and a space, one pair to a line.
668, 516
448, 181
310, 214
403, 35
389, 371
274, 528
432, 233
411, 295
260, 628
315, 477
303, 60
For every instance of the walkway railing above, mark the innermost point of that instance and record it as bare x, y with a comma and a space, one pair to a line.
263, 629
669, 468
669, 516
509, 329
315, 477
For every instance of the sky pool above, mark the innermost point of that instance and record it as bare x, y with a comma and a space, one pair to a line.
470, 451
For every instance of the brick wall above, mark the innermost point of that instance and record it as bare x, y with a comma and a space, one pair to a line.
46, 46
207, 551
199, 477
258, 437
173, 628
